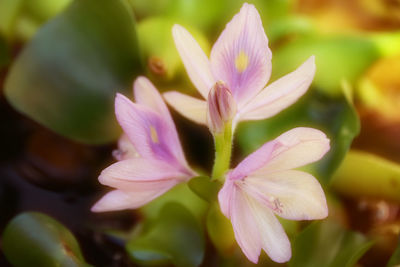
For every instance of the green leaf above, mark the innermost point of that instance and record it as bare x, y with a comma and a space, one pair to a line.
220, 230
328, 244
35, 239
337, 58
395, 258
4, 53
368, 175
175, 237
67, 76
205, 188
181, 194
336, 117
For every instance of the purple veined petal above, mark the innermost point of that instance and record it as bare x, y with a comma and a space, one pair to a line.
125, 150
274, 240
141, 174
121, 200
253, 162
241, 57
280, 94
195, 61
192, 108
151, 136
294, 195
245, 226
296, 148
146, 94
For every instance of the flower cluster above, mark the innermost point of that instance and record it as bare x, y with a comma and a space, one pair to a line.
233, 82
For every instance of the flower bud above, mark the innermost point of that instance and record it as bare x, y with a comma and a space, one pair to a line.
221, 107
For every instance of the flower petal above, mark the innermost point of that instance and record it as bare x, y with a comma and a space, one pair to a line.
253, 162
125, 150
146, 94
273, 237
192, 108
195, 61
245, 226
225, 197
140, 174
241, 57
151, 136
298, 195
296, 148
120, 200
280, 94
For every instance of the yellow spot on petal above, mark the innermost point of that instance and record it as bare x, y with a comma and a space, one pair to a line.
154, 135
241, 62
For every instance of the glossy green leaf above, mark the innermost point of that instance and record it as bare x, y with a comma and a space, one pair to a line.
365, 174
395, 258
328, 244
35, 239
336, 117
67, 76
337, 58
205, 188
174, 237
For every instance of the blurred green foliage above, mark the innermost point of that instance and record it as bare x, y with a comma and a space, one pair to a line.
67, 76
20, 19
328, 244
35, 239
174, 237
365, 174
395, 259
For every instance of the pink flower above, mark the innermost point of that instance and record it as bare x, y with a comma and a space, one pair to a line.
264, 184
150, 154
240, 59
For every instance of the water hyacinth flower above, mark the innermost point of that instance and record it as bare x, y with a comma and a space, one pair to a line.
151, 159
264, 185
241, 59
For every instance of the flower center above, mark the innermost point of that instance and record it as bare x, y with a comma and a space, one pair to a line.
154, 135
241, 62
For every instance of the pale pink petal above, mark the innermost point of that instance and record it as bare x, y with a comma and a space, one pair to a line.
280, 94
120, 200
195, 61
151, 136
245, 226
225, 196
141, 174
241, 57
125, 150
273, 237
146, 94
294, 195
192, 108
253, 162
296, 148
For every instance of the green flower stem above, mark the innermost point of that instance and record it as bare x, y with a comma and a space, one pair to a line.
223, 151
